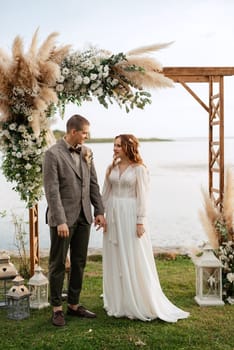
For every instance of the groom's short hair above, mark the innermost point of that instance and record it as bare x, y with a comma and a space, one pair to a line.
76, 122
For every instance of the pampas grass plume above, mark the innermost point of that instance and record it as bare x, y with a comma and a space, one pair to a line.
148, 49
209, 230
228, 198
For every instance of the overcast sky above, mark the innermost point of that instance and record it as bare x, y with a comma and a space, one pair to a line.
203, 35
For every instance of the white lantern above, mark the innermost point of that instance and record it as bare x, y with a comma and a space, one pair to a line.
18, 300
208, 278
38, 287
7, 273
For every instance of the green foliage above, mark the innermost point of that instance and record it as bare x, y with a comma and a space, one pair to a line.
3, 213
222, 229
22, 160
225, 254
21, 237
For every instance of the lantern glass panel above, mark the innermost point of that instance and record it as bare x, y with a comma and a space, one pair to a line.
39, 296
211, 282
18, 309
3, 291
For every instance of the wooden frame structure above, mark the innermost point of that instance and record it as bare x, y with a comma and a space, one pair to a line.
214, 78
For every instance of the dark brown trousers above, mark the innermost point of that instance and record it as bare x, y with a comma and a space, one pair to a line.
78, 242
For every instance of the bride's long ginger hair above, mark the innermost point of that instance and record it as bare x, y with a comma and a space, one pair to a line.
129, 144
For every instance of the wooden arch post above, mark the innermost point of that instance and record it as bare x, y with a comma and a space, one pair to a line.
214, 78
33, 238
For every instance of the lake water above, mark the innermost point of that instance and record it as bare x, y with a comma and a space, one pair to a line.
178, 169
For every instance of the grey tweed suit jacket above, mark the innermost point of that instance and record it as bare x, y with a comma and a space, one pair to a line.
68, 189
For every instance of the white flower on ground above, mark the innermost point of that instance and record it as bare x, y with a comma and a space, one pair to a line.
230, 277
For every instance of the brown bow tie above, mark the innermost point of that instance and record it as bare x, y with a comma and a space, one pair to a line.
75, 149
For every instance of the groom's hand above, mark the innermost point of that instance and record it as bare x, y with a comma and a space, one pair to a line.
63, 230
99, 222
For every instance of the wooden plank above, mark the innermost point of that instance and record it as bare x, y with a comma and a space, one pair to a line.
197, 74
221, 140
190, 78
215, 170
198, 71
215, 190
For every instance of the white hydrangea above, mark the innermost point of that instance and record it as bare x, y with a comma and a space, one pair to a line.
28, 166
86, 80
59, 87
65, 71
12, 126
78, 80
230, 277
93, 76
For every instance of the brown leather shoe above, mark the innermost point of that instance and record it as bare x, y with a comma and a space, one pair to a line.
81, 311
58, 318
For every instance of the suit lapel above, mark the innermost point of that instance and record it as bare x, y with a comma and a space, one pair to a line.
66, 155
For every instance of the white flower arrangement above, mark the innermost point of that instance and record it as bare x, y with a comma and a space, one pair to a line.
92, 74
22, 160
226, 255
34, 84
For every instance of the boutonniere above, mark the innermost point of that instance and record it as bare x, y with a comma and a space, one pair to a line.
88, 157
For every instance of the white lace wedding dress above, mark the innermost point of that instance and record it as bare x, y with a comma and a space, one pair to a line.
131, 286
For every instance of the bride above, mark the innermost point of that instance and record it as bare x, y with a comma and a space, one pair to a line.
131, 287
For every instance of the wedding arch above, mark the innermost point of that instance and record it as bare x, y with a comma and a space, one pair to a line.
36, 84
41, 81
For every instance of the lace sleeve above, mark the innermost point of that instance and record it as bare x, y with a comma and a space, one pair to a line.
142, 188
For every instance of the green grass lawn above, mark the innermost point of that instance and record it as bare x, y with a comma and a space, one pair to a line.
207, 327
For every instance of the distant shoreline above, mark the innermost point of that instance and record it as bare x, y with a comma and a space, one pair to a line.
59, 133
110, 140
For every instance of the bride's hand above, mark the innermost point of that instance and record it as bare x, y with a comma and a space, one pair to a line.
140, 230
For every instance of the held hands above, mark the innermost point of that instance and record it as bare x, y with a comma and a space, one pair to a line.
99, 222
63, 230
140, 230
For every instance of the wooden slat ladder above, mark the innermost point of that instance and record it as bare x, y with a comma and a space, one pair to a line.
216, 141
214, 77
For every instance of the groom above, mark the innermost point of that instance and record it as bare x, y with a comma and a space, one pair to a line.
71, 187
